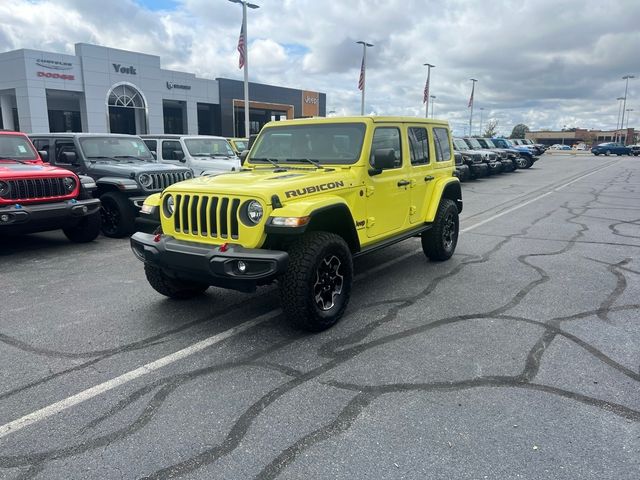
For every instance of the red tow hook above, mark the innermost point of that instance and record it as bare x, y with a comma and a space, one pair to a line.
224, 247
157, 237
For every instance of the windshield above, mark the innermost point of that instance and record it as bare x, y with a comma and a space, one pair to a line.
336, 143
241, 145
489, 143
460, 144
473, 143
16, 147
115, 148
209, 147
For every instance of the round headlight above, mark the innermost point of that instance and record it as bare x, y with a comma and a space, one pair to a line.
69, 183
169, 205
254, 211
145, 180
4, 189
188, 174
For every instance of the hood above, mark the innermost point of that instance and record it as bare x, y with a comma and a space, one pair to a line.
265, 182
9, 170
126, 169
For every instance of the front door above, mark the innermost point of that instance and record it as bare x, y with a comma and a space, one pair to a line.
388, 193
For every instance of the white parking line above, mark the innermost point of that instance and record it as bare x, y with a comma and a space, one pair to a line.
92, 392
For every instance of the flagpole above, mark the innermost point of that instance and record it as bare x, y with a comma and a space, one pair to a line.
364, 71
426, 89
473, 87
245, 4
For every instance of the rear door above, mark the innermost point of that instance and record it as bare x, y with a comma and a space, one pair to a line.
422, 167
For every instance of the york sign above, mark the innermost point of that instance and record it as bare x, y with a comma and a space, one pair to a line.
131, 70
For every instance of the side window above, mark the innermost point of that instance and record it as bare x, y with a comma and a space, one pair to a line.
62, 146
151, 145
387, 137
169, 147
441, 140
419, 145
42, 145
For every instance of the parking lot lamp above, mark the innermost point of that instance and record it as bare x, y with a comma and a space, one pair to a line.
628, 110
473, 89
243, 48
618, 127
363, 72
624, 103
432, 97
426, 96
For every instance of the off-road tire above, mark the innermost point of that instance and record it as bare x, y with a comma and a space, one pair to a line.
298, 283
523, 162
607, 153
118, 215
439, 242
86, 230
529, 163
171, 287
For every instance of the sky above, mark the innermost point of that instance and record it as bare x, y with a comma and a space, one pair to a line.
546, 63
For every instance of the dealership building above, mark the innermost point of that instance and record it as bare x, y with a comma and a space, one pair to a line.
103, 89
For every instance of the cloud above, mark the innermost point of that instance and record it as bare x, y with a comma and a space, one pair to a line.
541, 62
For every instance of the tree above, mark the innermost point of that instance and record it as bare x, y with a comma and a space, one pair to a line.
491, 129
519, 130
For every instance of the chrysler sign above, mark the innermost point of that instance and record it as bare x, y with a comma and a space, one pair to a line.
171, 85
54, 64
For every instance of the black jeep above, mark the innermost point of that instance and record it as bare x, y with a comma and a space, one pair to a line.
121, 165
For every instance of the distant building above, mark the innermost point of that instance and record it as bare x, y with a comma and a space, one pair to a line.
103, 89
626, 136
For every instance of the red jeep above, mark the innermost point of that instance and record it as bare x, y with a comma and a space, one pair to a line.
36, 197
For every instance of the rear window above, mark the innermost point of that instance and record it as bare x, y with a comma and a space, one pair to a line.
443, 147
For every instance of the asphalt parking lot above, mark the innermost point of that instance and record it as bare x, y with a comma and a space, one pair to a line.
518, 358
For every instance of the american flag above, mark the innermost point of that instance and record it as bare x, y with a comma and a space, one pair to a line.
425, 99
241, 47
471, 97
361, 81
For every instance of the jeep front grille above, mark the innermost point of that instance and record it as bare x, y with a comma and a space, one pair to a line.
206, 216
160, 181
493, 157
477, 158
36, 188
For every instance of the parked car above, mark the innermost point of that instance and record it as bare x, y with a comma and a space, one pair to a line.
35, 197
462, 171
522, 151
635, 150
507, 157
239, 145
297, 213
559, 146
472, 159
122, 167
203, 154
609, 148
494, 164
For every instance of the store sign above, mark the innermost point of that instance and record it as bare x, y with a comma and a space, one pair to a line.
58, 76
171, 85
131, 70
310, 104
311, 100
54, 64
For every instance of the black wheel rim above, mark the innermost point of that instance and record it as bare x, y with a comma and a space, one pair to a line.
449, 232
329, 282
110, 217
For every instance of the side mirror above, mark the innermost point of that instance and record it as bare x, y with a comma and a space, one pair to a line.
70, 158
243, 156
179, 155
383, 159
44, 155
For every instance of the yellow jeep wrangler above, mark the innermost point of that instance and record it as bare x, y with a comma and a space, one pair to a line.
313, 194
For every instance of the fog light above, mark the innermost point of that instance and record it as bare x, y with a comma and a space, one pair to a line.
242, 267
4, 218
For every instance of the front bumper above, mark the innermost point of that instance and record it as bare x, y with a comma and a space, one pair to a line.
495, 167
479, 169
462, 171
45, 216
208, 264
508, 165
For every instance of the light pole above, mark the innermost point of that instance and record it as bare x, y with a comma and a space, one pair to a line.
481, 112
564, 127
253, 6
363, 69
432, 97
473, 88
619, 99
624, 103
426, 90
625, 135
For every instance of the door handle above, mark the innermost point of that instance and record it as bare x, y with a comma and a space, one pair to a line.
428, 178
404, 183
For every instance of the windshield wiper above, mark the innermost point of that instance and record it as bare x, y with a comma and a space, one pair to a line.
315, 163
130, 156
272, 161
13, 160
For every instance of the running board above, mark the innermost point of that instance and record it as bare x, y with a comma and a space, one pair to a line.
390, 241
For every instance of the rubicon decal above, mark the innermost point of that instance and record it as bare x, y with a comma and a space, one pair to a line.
313, 189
